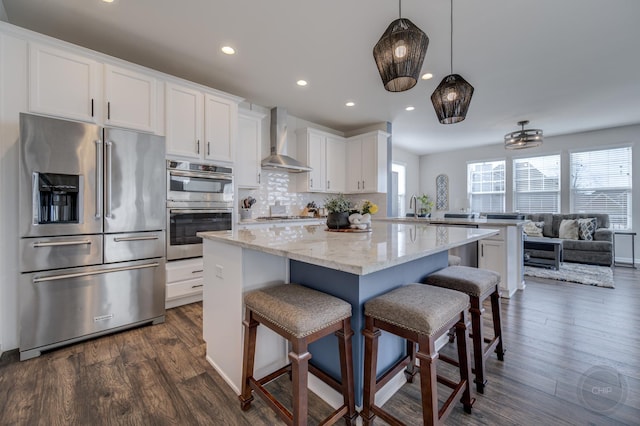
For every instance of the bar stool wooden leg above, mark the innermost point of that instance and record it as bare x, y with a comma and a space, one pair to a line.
250, 328
497, 323
346, 370
410, 371
299, 357
465, 367
371, 336
478, 342
428, 380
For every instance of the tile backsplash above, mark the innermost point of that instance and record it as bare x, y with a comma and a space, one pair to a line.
281, 187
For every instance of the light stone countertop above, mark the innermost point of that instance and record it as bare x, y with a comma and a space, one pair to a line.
387, 245
455, 221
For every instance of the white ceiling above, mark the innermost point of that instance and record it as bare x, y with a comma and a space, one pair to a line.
566, 66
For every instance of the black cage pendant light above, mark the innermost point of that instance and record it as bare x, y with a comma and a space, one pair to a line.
452, 97
524, 138
399, 54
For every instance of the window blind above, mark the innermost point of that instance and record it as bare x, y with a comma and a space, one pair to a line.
536, 184
486, 186
601, 183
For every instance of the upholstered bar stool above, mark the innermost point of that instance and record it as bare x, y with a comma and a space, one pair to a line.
478, 284
302, 316
454, 260
420, 314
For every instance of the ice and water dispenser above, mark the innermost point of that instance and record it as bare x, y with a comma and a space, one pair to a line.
58, 196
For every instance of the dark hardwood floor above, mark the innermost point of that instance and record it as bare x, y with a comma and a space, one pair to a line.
156, 375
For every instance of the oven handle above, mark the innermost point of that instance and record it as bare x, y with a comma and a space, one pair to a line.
171, 211
98, 272
202, 175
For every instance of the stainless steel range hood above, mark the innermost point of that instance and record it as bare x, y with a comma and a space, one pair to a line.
277, 160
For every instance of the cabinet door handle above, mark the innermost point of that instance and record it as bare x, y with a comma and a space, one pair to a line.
208, 148
311, 182
108, 110
358, 184
481, 250
362, 184
259, 178
198, 146
92, 107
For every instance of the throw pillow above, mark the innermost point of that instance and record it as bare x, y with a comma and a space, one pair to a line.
533, 229
568, 229
586, 228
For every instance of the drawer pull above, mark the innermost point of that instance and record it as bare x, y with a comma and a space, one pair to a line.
198, 285
197, 271
61, 243
120, 239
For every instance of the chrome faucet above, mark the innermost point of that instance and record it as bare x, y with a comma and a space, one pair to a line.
413, 203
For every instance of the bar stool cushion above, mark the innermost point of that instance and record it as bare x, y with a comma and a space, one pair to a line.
299, 310
473, 281
417, 307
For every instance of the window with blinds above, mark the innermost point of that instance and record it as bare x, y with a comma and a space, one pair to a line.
601, 183
486, 186
536, 184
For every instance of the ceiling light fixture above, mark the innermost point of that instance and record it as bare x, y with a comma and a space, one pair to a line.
399, 54
522, 138
350, 104
301, 82
228, 50
410, 108
452, 97
427, 76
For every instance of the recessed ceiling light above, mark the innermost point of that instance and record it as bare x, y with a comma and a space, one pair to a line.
350, 104
228, 50
108, 1
301, 82
427, 76
410, 108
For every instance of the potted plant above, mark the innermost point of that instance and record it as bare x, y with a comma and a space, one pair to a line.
338, 211
426, 204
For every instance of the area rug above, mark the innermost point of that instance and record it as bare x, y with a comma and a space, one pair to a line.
601, 276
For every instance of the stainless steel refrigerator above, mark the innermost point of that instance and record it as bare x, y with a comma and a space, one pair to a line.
92, 228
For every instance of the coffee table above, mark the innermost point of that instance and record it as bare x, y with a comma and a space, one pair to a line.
553, 245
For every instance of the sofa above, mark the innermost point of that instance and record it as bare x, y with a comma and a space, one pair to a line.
598, 251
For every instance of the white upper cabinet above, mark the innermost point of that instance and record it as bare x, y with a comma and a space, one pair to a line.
130, 99
367, 163
312, 152
220, 117
68, 85
247, 172
336, 155
184, 115
63, 84
200, 125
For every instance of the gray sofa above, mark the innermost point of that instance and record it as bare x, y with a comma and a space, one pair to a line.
596, 252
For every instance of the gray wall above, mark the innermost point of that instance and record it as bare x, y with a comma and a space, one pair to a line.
454, 164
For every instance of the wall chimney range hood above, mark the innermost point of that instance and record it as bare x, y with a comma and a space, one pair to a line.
277, 160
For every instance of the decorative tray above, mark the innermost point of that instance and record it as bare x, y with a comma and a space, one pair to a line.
347, 230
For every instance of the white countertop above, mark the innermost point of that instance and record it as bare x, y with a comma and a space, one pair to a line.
388, 244
455, 221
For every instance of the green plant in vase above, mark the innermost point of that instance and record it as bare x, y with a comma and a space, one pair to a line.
426, 205
338, 211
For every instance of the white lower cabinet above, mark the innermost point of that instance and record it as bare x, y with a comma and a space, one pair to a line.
502, 253
184, 282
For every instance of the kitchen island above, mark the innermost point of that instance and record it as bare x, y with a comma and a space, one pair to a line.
502, 253
352, 266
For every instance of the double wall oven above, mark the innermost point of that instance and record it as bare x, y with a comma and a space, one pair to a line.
199, 198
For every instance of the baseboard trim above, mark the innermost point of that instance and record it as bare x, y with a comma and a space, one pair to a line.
224, 376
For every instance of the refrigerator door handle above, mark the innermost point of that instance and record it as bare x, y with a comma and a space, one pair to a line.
98, 192
107, 183
151, 237
61, 243
85, 274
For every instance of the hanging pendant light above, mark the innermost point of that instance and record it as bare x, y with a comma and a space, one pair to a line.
522, 139
399, 54
452, 97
